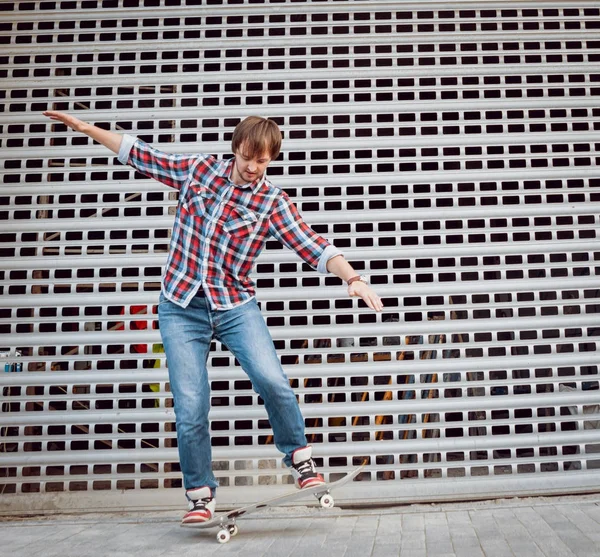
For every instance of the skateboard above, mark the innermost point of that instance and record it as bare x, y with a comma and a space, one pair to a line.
226, 521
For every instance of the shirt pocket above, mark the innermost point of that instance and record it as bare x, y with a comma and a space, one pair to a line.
241, 222
198, 205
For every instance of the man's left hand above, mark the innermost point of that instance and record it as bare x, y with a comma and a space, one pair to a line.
368, 295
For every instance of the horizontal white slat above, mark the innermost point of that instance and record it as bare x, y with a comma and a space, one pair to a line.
281, 256
387, 329
269, 451
332, 292
364, 6
348, 39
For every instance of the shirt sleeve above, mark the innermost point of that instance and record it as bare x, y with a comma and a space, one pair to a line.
169, 169
287, 226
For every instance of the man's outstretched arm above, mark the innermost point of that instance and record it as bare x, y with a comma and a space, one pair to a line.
288, 227
109, 139
170, 169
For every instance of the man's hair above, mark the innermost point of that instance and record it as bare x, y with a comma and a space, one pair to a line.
258, 135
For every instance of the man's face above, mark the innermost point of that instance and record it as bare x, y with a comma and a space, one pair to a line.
248, 169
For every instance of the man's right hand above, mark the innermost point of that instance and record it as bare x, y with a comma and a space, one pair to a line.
68, 120
109, 139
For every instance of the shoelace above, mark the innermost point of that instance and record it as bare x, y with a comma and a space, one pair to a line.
201, 503
306, 466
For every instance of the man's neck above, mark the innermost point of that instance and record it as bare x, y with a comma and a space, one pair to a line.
235, 177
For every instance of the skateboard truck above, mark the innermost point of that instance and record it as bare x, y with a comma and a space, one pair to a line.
227, 531
325, 499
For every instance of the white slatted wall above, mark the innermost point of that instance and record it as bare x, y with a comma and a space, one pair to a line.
450, 149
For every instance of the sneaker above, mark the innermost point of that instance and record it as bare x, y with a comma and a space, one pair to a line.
304, 470
202, 505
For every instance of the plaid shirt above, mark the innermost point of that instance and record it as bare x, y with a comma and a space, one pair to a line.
220, 228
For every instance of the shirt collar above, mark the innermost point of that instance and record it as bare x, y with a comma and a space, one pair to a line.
226, 168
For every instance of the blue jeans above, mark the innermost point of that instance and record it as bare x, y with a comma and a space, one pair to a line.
187, 334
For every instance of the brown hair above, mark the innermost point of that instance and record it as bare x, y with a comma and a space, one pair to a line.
258, 135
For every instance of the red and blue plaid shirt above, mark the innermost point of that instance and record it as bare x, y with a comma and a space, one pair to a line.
220, 228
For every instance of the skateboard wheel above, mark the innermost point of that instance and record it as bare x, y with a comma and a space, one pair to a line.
326, 501
233, 530
223, 536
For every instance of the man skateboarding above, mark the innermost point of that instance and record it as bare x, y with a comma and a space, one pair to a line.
226, 212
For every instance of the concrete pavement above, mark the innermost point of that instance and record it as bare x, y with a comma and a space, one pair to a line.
566, 526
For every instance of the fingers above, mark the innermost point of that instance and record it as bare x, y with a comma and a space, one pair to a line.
369, 297
53, 115
374, 302
66, 119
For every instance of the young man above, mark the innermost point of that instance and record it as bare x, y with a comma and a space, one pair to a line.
226, 212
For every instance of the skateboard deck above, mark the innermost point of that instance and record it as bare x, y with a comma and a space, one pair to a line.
226, 521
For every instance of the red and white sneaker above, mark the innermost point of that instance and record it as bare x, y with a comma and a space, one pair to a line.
202, 505
304, 470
